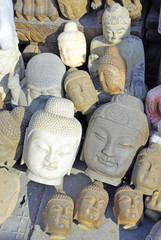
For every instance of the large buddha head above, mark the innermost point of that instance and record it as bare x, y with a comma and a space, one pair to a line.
51, 142
12, 133
72, 46
80, 89
146, 175
116, 23
128, 207
44, 78
91, 205
115, 132
58, 215
112, 71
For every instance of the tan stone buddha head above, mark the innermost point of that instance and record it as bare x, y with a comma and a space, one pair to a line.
58, 215
128, 207
112, 71
91, 205
146, 175
80, 89
12, 133
73, 9
115, 132
116, 23
51, 142
72, 45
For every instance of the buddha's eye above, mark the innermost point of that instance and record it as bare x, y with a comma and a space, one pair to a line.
100, 135
144, 164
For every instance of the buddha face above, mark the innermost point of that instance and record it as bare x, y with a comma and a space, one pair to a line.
91, 208
82, 93
49, 156
71, 52
110, 147
58, 216
154, 202
114, 33
146, 174
112, 80
73, 9
128, 207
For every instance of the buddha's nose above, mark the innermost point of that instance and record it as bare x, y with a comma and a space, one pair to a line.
108, 149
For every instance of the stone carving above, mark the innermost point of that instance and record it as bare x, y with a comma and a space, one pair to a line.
41, 10
112, 71
58, 215
12, 133
153, 206
91, 205
72, 45
51, 142
115, 132
43, 78
10, 56
146, 175
128, 207
155, 233
153, 106
10, 188
116, 31
73, 9
80, 90
134, 7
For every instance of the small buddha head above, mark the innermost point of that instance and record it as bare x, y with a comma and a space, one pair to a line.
116, 23
154, 202
73, 9
80, 89
12, 133
51, 142
115, 132
112, 71
58, 215
91, 205
72, 46
128, 206
44, 77
146, 175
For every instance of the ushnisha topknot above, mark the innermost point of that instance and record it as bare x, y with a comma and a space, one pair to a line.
56, 118
113, 57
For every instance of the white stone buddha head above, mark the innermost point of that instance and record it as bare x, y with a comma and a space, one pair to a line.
51, 142
72, 45
116, 23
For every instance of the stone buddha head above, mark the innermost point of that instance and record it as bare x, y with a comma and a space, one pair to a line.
73, 9
43, 78
80, 89
91, 205
115, 132
10, 188
146, 175
116, 23
51, 142
58, 215
128, 207
112, 71
72, 45
12, 133
155, 232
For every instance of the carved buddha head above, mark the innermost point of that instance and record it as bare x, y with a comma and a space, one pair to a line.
51, 142
12, 133
155, 232
91, 205
116, 23
146, 175
58, 215
73, 9
80, 89
112, 70
128, 207
115, 132
72, 45
44, 78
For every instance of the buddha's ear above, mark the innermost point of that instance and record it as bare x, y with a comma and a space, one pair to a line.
24, 147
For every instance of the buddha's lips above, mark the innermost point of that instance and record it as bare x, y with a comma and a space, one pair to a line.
53, 166
107, 163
